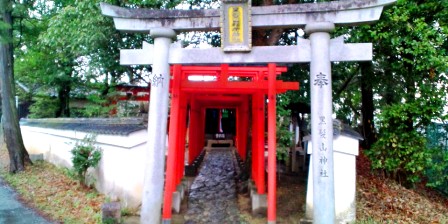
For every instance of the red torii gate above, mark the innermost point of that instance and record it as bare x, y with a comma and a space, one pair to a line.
248, 83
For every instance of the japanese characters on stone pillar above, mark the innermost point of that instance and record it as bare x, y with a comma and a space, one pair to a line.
321, 121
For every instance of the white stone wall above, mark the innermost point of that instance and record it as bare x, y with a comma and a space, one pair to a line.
121, 170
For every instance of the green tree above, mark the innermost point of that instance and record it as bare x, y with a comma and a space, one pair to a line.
408, 77
10, 122
84, 47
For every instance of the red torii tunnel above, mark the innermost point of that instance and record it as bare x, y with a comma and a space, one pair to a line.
243, 89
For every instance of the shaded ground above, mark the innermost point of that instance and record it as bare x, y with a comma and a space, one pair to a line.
291, 197
381, 200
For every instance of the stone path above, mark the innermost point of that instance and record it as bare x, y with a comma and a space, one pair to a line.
14, 212
213, 197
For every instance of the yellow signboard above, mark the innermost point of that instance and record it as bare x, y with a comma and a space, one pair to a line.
235, 25
236, 28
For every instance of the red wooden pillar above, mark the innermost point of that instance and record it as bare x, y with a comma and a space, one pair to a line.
239, 130
260, 143
224, 76
255, 152
271, 144
196, 131
245, 127
193, 131
182, 132
172, 145
201, 131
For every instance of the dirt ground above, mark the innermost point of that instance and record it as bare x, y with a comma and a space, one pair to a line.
291, 197
4, 160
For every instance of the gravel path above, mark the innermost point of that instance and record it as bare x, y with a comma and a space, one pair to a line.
213, 197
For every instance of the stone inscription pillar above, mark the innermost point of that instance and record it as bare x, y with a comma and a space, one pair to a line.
157, 122
321, 122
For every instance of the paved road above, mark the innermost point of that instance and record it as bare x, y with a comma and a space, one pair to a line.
14, 212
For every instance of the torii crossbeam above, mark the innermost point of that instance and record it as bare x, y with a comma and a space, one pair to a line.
348, 13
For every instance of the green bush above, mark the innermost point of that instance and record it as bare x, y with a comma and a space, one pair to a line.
437, 174
98, 106
85, 155
44, 107
284, 136
403, 157
401, 150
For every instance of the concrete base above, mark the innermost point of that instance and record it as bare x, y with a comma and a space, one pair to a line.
36, 157
178, 196
306, 221
259, 203
166, 221
251, 187
177, 199
181, 189
111, 212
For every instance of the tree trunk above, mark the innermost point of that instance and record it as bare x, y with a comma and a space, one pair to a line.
13, 138
64, 100
367, 109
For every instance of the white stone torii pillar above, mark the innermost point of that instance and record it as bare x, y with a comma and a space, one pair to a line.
157, 122
315, 17
321, 121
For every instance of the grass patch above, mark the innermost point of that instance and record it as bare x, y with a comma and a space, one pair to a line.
48, 189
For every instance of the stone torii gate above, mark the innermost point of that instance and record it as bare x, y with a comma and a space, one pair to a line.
318, 19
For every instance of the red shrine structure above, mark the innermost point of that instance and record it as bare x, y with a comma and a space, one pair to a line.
245, 90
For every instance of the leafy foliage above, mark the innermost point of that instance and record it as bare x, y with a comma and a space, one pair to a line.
43, 107
85, 155
437, 137
97, 106
283, 134
437, 173
409, 52
401, 149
